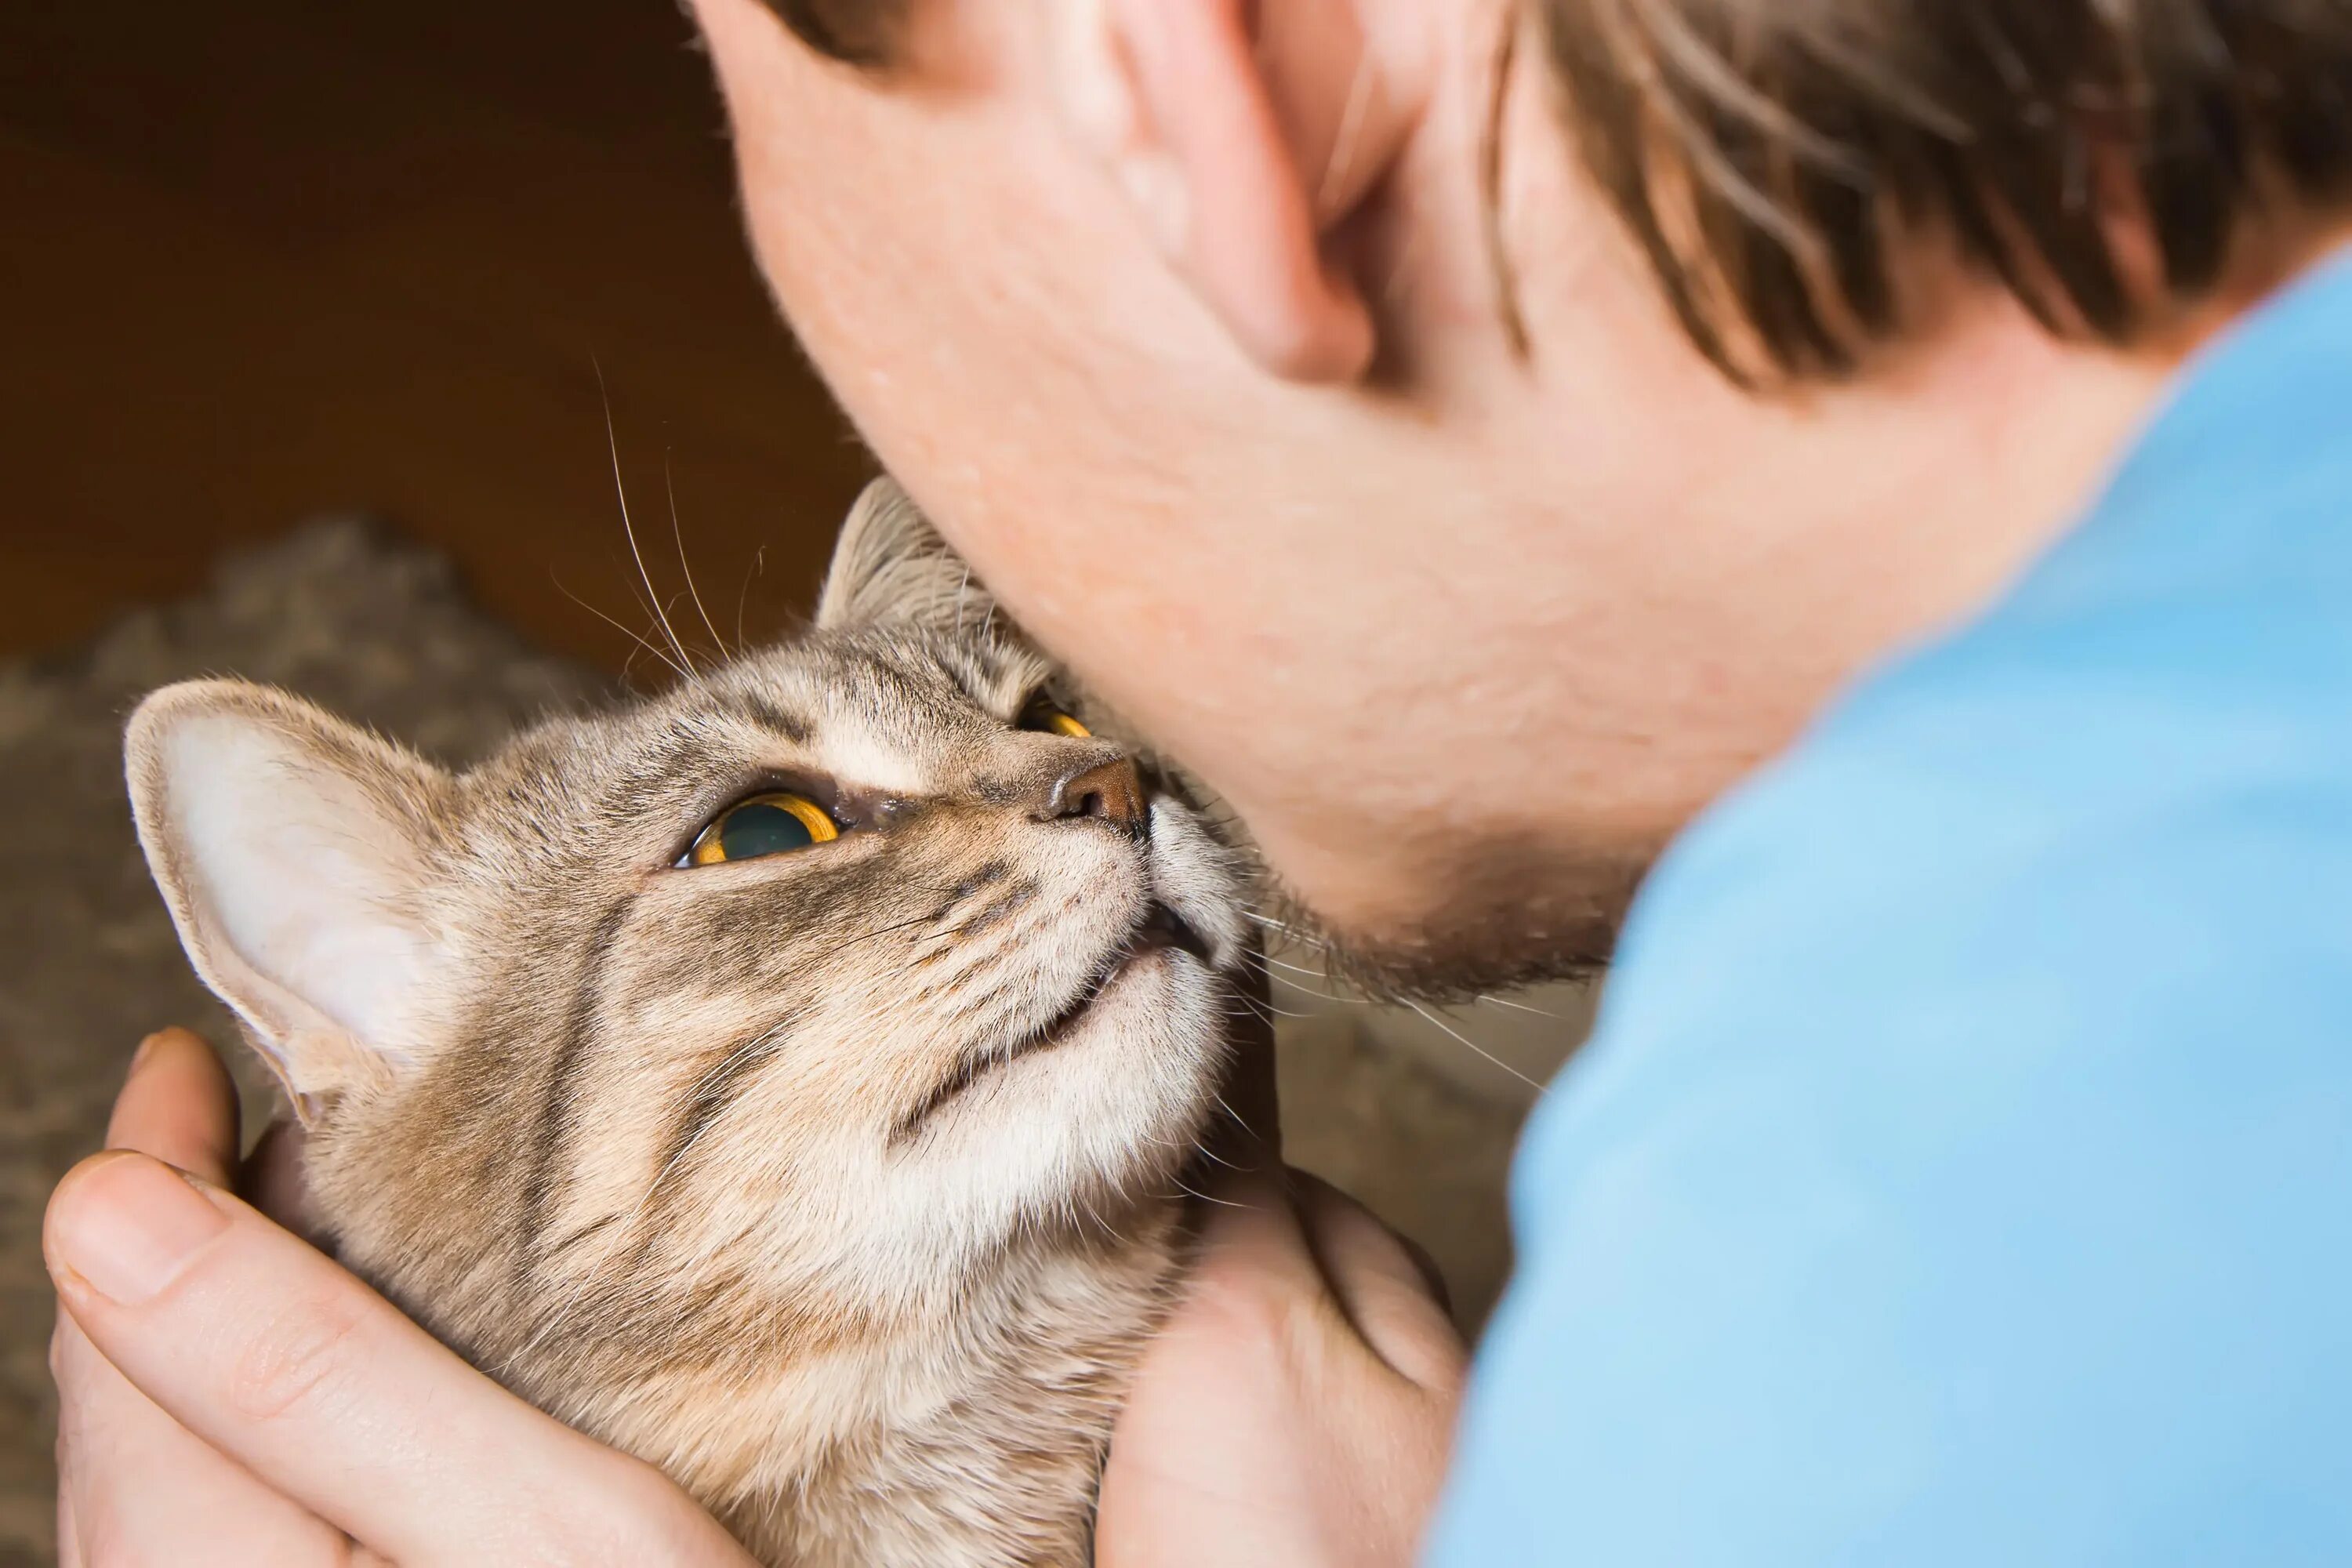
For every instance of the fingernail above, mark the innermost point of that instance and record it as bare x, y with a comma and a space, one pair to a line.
139, 1058
127, 1225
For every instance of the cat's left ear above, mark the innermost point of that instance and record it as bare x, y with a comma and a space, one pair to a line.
295, 853
891, 566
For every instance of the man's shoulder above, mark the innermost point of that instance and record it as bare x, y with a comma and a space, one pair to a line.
2048, 846
1960, 1172
1972, 1108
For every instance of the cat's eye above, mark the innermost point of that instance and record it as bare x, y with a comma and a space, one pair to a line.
776, 823
1043, 715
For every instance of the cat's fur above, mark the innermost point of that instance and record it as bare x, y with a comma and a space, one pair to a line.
755, 1169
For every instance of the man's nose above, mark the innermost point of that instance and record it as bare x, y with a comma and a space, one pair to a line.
1111, 790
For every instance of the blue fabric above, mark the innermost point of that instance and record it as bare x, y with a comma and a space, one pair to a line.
1962, 1171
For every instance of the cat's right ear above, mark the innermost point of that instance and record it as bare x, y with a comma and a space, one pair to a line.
294, 851
891, 565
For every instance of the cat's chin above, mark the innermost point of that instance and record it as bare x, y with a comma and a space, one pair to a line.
1119, 1086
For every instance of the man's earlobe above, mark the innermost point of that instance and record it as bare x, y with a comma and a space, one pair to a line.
1239, 134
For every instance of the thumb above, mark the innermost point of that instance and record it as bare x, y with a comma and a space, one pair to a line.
276, 1357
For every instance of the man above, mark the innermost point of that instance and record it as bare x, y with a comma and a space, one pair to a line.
1474, 440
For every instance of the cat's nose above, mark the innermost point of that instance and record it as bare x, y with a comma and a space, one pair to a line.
1111, 790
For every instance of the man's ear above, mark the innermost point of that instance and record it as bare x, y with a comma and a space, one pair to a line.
294, 851
890, 565
1243, 132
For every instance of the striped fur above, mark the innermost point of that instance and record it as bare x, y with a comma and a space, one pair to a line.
734, 1166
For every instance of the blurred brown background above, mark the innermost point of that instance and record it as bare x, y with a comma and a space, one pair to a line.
266, 258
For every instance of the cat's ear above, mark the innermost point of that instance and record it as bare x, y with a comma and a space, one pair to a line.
294, 851
891, 566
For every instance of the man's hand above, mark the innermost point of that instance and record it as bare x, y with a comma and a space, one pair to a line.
1297, 1410
228, 1396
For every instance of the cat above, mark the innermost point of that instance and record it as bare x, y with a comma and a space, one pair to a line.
784, 1079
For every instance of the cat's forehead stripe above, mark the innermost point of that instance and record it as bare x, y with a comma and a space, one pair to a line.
768, 715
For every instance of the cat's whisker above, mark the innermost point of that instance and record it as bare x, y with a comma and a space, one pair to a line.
667, 606
1236, 1117
653, 612
759, 569
1257, 963
1458, 1034
1523, 1007
617, 626
613, 440
1221, 1202
1321, 996
1267, 966
1214, 1157
1263, 1010
1303, 938
677, 536
1277, 915
1244, 993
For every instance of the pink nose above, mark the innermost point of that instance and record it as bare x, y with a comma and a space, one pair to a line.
1111, 790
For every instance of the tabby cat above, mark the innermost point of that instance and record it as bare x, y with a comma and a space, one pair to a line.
784, 1078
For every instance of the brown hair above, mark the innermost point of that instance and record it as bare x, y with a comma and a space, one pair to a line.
1781, 162
1774, 158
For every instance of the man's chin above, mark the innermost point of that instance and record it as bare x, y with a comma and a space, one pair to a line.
1507, 919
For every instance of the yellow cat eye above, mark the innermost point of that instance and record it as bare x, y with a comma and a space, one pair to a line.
776, 823
1043, 715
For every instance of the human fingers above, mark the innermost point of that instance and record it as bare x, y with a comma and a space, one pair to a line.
1389, 1288
69, 1537
134, 1485
178, 1104
292, 1367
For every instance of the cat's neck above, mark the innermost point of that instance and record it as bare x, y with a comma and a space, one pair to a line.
980, 1406
1009, 1398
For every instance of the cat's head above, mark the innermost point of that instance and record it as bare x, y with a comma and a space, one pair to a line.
833, 964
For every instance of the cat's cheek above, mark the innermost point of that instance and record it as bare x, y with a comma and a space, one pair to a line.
1115, 1109
1201, 878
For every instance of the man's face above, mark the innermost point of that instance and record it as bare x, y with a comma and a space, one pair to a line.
1462, 644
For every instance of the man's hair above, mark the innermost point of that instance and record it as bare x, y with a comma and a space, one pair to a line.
1786, 165
1783, 162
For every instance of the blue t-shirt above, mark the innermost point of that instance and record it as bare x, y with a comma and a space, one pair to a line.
1962, 1171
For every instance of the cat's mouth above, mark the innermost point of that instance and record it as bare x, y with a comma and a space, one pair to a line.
1161, 930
